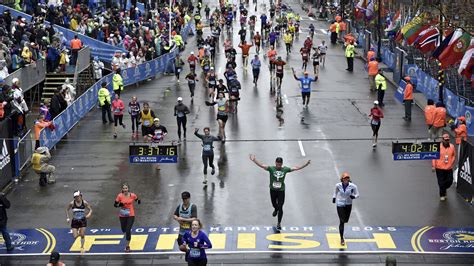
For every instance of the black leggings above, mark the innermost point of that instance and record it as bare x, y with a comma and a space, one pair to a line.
135, 121
278, 199
206, 159
202, 262
375, 129
118, 118
344, 213
181, 123
126, 224
305, 96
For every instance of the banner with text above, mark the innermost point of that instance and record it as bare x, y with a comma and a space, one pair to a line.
464, 185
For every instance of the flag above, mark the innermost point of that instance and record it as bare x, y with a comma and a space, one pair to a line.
467, 62
455, 50
394, 23
413, 27
437, 52
428, 41
369, 12
416, 33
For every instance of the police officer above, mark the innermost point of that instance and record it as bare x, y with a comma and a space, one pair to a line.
350, 50
184, 215
104, 103
381, 86
117, 82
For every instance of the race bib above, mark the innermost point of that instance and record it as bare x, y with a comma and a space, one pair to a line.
78, 215
125, 212
195, 253
206, 147
374, 122
117, 110
146, 123
212, 82
276, 184
206, 68
180, 114
191, 81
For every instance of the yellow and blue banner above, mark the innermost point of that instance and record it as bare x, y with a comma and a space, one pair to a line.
252, 239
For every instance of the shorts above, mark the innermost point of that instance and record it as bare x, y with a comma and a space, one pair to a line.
315, 63
76, 224
223, 118
234, 95
146, 130
322, 54
279, 75
306, 94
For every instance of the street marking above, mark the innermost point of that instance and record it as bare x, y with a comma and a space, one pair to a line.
286, 99
324, 31
220, 70
301, 148
311, 18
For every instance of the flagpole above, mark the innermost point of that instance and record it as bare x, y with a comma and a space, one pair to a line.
379, 22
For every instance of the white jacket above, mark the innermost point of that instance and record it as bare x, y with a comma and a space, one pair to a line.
343, 196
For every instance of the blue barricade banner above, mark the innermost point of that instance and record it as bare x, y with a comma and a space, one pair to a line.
455, 105
82, 105
411, 71
468, 111
388, 57
400, 90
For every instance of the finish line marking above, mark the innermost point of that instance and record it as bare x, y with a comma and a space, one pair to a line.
301, 148
249, 239
324, 31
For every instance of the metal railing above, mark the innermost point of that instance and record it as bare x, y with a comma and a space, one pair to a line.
24, 148
82, 63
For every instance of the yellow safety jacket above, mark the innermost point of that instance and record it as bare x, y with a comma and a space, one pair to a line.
117, 82
104, 95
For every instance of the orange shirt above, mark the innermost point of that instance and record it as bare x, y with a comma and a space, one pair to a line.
76, 44
439, 118
408, 94
447, 156
429, 114
370, 54
38, 126
245, 48
332, 28
373, 67
127, 202
461, 133
271, 54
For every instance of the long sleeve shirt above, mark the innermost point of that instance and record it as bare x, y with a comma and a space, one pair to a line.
197, 245
343, 195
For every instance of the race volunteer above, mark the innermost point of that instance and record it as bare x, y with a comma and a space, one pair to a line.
305, 86
381, 86
444, 166
207, 151
408, 99
277, 183
350, 52
184, 215
79, 216
373, 69
343, 195
429, 111
117, 82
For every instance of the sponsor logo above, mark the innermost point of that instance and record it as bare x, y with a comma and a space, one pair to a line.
454, 240
468, 116
19, 241
5, 156
465, 172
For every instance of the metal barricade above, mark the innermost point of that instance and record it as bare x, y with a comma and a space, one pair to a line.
30, 75
24, 148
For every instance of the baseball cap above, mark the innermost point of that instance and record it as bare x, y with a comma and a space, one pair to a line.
180, 99
185, 195
77, 193
376, 102
407, 78
54, 257
156, 119
461, 118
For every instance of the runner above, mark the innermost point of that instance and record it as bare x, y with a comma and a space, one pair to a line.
195, 242
256, 64
311, 30
305, 86
343, 195
125, 201
178, 66
304, 57
117, 107
271, 54
279, 63
322, 48
192, 79
157, 131
192, 60
207, 150
257, 38
147, 117
222, 113
288, 39
184, 215
211, 80
375, 116
79, 216
245, 53
221, 88
277, 183
180, 111
316, 57
134, 111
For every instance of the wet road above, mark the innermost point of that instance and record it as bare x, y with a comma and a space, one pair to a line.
335, 136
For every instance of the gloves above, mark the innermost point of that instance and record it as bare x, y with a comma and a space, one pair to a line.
333, 200
352, 197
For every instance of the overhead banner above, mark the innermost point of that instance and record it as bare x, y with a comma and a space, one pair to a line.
465, 187
250, 239
7, 158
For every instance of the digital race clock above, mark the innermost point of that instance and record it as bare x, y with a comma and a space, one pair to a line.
145, 153
415, 151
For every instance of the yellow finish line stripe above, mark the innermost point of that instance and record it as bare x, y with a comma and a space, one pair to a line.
419, 238
414, 237
47, 239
